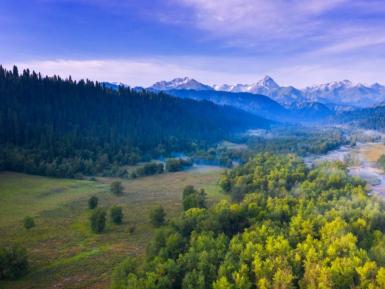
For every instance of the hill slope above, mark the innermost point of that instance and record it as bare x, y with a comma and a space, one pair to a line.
370, 118
257, 104
60, 127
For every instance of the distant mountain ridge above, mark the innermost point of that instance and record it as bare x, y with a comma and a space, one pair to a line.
266, 98
267, 86
266, 83
336, 94
180, 83
346, 93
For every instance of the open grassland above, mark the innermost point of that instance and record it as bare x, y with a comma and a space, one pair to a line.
63, 252
372, 152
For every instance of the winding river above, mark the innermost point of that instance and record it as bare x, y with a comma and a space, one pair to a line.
361, 160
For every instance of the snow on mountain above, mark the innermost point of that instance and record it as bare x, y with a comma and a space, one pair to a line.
180, 83
267, 86
341, 93
267, 83
346, 93
333, 94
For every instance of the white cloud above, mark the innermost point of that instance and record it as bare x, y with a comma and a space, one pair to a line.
354, 43
260, 18
279, 26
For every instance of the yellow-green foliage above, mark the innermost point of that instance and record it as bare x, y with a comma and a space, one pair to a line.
295, 228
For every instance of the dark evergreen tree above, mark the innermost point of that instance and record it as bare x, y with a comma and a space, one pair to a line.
65, 128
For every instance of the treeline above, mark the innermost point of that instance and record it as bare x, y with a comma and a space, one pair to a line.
64, 128
280, 140
295, 227
300, 142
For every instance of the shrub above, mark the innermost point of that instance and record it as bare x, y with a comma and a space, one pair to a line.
117, 188
93, 202
193, 198
116, 215
13, 262
98, 221
157, 216
150, 169
175, 165
28, 222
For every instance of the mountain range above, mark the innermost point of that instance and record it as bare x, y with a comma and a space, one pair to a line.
266, 98
339, 94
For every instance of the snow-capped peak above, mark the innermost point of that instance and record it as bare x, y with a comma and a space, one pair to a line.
180, 83
346, 93
332, 85
337, 92
267, 82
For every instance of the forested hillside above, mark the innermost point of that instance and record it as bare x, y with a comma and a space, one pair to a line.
293, 228
370, 118
260, 105
57, 127
257, 104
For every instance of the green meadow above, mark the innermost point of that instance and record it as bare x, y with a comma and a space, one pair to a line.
63, 251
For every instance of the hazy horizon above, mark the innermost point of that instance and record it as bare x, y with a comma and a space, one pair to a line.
299, 43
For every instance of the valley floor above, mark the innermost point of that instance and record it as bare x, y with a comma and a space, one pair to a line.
63, 252
362, 162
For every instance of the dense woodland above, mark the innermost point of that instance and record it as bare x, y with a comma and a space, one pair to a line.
301, 142
293, 227
369, 118
56, 127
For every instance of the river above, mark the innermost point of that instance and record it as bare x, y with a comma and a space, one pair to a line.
361, 160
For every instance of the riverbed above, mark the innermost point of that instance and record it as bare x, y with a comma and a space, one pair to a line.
362, 162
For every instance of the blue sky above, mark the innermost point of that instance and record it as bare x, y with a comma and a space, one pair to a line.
297, 42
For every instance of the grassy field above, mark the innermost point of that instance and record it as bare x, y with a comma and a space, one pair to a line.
373, 152
63, 252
